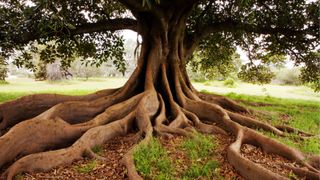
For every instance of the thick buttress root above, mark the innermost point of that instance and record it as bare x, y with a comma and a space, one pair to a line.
65, 131
33, 105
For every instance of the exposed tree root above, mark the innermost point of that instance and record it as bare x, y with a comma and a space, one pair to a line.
82, 147
38, 134
64, 131
33, 105
224, 102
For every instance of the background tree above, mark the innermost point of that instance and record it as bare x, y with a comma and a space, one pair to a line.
158, 97
288, 76
3, 69
40, 71
202, 67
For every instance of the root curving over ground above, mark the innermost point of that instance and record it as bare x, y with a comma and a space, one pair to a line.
44, 131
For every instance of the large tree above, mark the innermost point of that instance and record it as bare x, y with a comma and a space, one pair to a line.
48, 130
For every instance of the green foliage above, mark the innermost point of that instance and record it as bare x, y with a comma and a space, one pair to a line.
255, 74
152, 161
216, 61
40, 73
267, 30
87, 167
253, 25
54, 29
311, 72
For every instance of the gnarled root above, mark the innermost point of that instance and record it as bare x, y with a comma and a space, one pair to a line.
38, 134
82, 147
224, 102
27, 107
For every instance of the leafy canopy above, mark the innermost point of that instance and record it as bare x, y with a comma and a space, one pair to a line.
266, 30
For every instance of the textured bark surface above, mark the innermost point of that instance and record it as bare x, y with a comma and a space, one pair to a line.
45, 131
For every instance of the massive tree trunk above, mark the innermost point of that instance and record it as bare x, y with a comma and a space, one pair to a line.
44, 131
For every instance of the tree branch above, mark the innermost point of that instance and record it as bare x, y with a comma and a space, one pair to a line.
105, 25
231, 26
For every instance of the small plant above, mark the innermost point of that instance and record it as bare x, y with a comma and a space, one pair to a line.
88, 167
97, 149
231, 83
152, 161
3, 82
292, 175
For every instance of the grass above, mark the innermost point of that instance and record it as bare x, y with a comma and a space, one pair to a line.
310, 145
279, 91
199, 146
200, 149
197, 170
97, 149
300, 114
152, 161
23, 86
87, 167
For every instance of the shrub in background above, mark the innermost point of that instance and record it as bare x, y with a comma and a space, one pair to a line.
229, 82
287, 76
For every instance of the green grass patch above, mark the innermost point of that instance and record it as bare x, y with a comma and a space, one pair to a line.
273, 100
152, 161
7, 96
25, 86
199, 146
300, 114
197, 170
97, 149
199, 150
310, 145
87, 167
